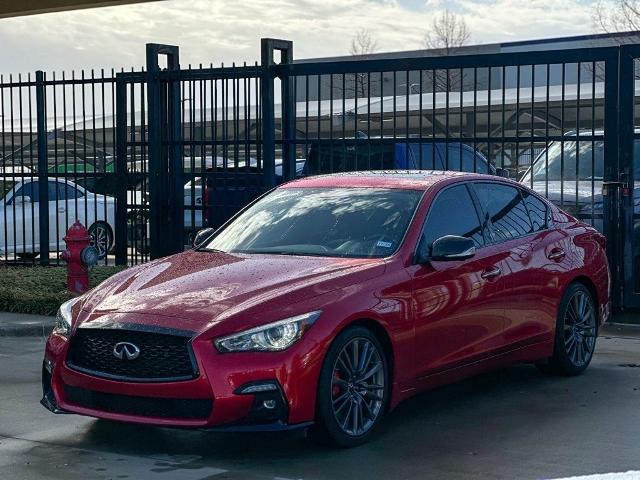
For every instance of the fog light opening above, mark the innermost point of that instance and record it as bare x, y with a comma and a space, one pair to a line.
269, 404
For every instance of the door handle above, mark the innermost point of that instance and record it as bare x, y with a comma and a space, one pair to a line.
491, 273
61, 209
556, 254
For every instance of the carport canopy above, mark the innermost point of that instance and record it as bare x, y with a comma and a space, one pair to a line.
17, 8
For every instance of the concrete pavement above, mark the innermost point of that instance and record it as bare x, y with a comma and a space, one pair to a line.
512, 424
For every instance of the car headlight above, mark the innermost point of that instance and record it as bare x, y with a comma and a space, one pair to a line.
271, 337
63, 317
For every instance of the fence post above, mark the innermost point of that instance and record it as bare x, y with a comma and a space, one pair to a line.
611, 182
268, 123
625, 272
43, 168
162, 189
268, 47
121, 233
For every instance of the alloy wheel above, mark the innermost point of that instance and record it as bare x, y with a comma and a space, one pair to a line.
358, 386
100, 239
580, 328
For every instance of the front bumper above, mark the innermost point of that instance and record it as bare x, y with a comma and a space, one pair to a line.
212, 401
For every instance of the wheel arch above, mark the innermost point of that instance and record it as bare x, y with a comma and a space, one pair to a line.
589, 285
381, 333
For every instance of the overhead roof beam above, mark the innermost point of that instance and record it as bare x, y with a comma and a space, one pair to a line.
13, 8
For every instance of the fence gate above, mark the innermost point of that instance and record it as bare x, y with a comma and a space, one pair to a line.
192, 148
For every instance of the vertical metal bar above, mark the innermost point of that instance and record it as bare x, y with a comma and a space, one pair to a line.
618, 162
120, 234
43, 166
546, 134
489, 131
288, 117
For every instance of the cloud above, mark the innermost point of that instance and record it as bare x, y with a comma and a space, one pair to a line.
212, 31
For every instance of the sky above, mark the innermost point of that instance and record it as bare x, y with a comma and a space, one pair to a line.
215, 31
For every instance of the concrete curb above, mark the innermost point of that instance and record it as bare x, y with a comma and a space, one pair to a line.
23, 325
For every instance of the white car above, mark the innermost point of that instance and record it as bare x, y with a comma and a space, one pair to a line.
68, 202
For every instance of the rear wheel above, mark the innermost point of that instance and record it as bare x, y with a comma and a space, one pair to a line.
101, 238
576, 331
353, 389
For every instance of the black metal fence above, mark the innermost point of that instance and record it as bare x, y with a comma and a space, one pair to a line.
147, 158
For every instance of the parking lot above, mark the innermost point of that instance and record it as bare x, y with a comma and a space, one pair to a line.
515, 423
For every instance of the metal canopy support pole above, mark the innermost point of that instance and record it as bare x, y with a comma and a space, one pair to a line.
43, 169
163, 240
121, 233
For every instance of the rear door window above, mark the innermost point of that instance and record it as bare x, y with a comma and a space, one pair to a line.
537, 211
30, 190
67, 192
506, 210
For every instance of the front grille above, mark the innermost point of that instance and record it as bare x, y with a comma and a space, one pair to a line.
182, 408
163, 357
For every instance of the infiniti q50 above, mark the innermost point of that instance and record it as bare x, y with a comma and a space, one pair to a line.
329, 300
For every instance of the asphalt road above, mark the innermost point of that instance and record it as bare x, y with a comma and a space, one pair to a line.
516, 423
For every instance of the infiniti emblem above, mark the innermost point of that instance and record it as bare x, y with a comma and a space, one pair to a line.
126, 350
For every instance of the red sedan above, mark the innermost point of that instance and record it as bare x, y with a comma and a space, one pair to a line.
329, 300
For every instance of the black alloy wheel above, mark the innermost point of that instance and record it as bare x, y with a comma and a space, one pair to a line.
353, 389
576, 332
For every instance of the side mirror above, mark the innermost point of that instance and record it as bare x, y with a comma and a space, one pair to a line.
502, 172
22, 199
452, 247
202, 236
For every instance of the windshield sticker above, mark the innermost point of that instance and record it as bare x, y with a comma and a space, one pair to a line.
384, 244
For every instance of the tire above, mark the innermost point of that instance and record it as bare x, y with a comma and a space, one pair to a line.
101, 238
576, 333
351, 402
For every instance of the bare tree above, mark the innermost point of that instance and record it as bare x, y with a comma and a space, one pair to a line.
614, 16
448, 33
363, 43
623, 15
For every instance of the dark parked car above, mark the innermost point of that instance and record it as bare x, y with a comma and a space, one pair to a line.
331, 299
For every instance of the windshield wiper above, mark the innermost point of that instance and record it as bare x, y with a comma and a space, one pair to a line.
205, 249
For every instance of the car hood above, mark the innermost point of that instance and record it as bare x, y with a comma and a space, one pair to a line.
197, 290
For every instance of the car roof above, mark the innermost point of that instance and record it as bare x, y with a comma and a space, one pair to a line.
401, 179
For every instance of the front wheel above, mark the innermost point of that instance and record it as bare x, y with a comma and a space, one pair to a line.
576, 331
353, 389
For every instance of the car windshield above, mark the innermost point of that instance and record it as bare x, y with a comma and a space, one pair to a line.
567, 163
328, 222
